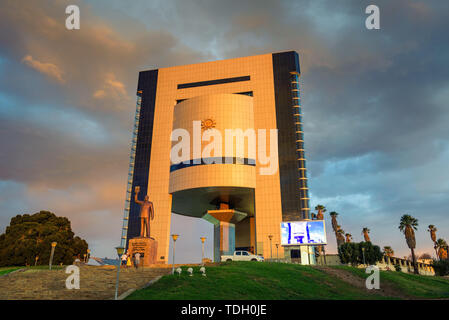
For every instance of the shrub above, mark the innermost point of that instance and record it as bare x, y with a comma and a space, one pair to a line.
441, 267
397, 268
351, 252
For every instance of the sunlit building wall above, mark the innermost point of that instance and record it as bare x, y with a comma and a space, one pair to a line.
257, 92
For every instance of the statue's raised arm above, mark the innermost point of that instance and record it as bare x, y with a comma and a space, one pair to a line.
136, 193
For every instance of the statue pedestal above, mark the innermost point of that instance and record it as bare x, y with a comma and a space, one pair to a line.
147, 247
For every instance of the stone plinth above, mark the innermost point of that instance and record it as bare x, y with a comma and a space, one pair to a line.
147, 247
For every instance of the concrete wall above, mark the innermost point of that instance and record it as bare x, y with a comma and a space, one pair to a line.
386, 264
406, 266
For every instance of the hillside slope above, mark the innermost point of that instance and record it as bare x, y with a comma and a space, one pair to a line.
273, 281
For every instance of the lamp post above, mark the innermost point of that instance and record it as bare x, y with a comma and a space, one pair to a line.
277, 251
119, 253
363, 252
53, 245
174, 236
85, 255
271, 247
88, 255
202, 250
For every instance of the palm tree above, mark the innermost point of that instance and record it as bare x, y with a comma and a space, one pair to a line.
348, 237
320, 216
408, 225
365, 232
433, 235
334, 215
388, 251
340, 235
321, 210
441, 245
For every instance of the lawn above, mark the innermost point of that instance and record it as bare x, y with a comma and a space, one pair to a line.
5, 270
253, 281
411, 284
46, 267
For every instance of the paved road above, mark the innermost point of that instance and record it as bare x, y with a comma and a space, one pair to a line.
96, 283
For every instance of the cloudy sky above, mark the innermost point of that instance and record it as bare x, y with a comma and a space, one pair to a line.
375, 105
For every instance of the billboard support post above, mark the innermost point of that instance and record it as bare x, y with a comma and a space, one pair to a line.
304, 255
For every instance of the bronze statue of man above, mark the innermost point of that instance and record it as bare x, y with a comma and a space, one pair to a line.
146, 213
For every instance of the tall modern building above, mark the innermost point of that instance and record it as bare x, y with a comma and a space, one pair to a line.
229, 189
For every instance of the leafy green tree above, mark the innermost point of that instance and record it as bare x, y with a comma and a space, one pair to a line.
441, 267
425, 255
30, 236
373, 253
352, 252
349, 253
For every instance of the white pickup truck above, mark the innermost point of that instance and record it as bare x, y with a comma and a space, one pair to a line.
242, 256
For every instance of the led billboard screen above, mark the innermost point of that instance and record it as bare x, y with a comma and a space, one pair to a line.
303, 233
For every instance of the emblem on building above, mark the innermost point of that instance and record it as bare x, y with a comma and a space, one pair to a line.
208, 124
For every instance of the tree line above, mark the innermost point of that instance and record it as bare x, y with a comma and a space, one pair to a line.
365, 252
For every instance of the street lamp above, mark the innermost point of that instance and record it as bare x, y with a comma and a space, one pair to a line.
271, 247
88, 255
363, 252
85, 255
202, 250
277, 256
119, 253
174, 236
53, 245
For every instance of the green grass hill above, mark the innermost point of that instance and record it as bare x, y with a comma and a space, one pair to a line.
273, 281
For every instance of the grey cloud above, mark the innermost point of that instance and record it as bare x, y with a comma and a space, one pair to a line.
374, 101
